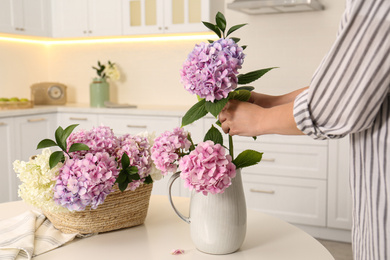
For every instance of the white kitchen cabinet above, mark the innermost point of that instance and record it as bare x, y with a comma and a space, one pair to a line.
84, 18
134, 124
7, 185
339, 193
168, 16
25, 17
84, 120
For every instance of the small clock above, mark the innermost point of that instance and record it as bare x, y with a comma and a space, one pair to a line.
48, 93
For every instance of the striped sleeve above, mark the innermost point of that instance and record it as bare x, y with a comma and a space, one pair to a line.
353, 80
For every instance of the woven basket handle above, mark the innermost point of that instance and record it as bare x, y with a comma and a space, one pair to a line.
170, 182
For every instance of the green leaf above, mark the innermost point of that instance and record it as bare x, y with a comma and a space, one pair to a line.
46, 143
221, 21
122, 177
78, 147
210, 41
125, 161
67, 132
132, 169
236, 40
252, 76
235, 28
214, 28
216, 107
192, 147
58, 135
244, 47
249, 88
196, 112
241, 95
214, 135
122, 186
55, 158
247, 158
148, 180
218, 123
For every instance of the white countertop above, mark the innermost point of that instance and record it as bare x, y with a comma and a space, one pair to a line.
85, 108
267, 238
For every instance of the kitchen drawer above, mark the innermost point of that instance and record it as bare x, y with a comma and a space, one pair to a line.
295, 200
84, 120
137, 124
288, 160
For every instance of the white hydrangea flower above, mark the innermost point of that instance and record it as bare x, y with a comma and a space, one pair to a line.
38, 181
112, 72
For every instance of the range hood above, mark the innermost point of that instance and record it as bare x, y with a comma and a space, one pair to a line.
275, 6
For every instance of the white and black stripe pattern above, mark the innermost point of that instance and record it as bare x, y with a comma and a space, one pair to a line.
350, 94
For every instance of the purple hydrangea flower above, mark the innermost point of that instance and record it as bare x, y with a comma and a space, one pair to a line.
207, 169
85, 181
210, 69
138, 150
167, 147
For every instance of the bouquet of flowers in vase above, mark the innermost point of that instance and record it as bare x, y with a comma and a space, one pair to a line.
86, 169
107, 71
211, 73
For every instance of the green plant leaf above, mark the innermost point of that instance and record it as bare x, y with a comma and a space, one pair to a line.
247, 158
148, 180
249, 88
215, 107
252, 76
235, 28
241, 95
67, 132
122, 186
55, 158
125, 161
58, 135
192, 147
196, 112
244, 47
78, 147
214, 135
122, 177
46, 143
221, 21
213, 27
235, 39
210, 41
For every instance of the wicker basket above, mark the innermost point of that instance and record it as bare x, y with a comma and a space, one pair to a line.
119, 210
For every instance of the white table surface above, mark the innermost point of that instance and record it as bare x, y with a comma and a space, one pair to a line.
267, 238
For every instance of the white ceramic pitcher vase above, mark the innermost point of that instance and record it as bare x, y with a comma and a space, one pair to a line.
217, 221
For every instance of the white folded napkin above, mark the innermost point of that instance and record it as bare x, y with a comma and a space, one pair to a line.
29, 234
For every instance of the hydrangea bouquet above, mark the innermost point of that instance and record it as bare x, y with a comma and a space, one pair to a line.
86, 168
211, 73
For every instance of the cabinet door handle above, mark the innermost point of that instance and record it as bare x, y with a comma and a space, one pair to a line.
268, 159
78, 118
137, 126
32, 120
262, 191
3, 124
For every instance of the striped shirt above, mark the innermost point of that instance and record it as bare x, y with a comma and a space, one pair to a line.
350, 95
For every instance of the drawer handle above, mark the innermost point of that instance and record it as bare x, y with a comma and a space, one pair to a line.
78, 118
3, 124
268, 159
262, 191
137, 126
36, 120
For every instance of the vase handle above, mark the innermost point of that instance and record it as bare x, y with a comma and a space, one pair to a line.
170, 182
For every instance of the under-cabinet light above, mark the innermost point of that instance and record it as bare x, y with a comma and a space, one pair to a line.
48, 41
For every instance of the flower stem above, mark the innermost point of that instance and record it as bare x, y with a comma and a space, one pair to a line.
231, 152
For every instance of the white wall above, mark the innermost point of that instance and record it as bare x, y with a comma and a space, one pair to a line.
294, 42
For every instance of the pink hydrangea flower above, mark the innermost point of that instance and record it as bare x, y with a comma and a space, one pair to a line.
167, 147
85, 181
207, 169
98, 139
138, 150
210, 69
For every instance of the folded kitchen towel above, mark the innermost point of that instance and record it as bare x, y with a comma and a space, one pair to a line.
29, 234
